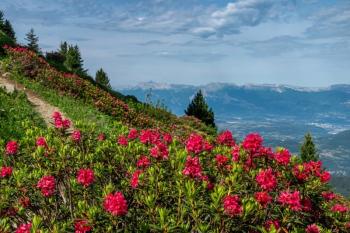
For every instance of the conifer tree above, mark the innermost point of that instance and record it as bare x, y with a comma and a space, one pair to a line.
199, 109
32, 41
2, 20
63, 48
102, 78
308, 149
8, 29
73, 61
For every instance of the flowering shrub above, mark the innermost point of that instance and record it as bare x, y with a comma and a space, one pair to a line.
155, 182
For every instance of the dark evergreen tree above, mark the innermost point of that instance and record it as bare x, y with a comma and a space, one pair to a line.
199, 109
63, 48
73, 61
308, 149
2, 20
8, 29
102, 78
32, 41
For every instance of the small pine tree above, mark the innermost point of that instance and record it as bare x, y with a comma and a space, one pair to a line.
308, 149
73, 61
32, 41
199, 109
8, 29
63, 48
2, 19
102, 78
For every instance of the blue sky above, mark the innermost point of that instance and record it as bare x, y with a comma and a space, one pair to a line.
295, 42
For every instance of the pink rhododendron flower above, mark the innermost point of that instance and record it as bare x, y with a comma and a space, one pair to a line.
313, 228
290, 199
82, 226
159, 151
41, 142
263, 198
66, 123
47, 185
143, 162
11, 148
193, 168
195, 144
167, 138
5, 172
101, 137
225, 138
135, 178
266, 179
306, 204
329, 196
252, 143
76, 136
115, 204
123, 141
149, 136
133, 134
301, 172
85, 177
221, 160
59, 122
325, 177
232, 205
24, 228
283, 157
235, 153
339, 208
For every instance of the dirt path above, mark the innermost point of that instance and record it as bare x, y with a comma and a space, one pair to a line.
41, 106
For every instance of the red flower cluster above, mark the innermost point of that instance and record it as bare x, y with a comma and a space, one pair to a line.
76, 136
101, 137
232, 205
225, 138
82, 226
123, 141
252, 143
283, 157
41, 142
221, 160
149, 136
24, 228
303, 171
159, 151
5, 172
59, 122
47, 185
290, 199
339, 208
143, 162
196, 144
133, 134
135, 178
24, 202
193, 167
235, 153
266, 179
263, 198
115, 204
313, 228
328, 196
167, 138
11, 148
85, 177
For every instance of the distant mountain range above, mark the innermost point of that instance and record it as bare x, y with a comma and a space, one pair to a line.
281, 113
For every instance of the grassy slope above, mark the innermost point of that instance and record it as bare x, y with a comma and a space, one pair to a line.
15, 109
76, 110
